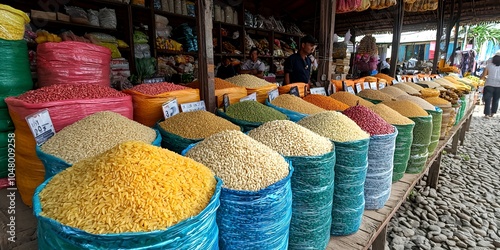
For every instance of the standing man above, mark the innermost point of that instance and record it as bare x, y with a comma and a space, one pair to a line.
253, 65
385, 66
298, 65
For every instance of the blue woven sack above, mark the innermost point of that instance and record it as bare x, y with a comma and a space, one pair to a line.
294, 116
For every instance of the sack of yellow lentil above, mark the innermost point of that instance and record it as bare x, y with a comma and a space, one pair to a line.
170, 203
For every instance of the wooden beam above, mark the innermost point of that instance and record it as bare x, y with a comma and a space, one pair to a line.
326, 30
206, 65
396, 36
439, 34
451, 23
457, 27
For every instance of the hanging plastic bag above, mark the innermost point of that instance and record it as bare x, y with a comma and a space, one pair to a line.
420, 145
402, 150
13, 23
437, 118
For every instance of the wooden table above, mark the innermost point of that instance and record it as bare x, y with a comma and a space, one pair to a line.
374, 225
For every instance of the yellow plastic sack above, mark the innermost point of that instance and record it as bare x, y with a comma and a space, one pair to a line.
148, 109
262, 92
300, 85
115, 53
365, 4
12, 23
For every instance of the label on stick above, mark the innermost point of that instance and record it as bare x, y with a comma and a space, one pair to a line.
41, 126
318, 91
273, 94
251, 97
170, 108
193, 106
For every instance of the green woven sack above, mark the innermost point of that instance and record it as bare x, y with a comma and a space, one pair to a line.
437, 118
6, 123
404, 141
420, 146
245, 125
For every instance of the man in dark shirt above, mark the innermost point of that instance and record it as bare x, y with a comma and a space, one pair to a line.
226, 69
298, 65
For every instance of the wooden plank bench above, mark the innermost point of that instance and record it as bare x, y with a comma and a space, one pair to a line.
374, 225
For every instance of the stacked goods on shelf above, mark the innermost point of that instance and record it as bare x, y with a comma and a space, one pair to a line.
326, 102
351, 150
120, 72
90, 137
365, 4
366, 59
350, 99
171, 201
225, 14
378, 181
144, 63
73, 62
186, 8
374, 96
422, 5
344, 6
256, 199
149, 98
250, 114
66, 104
294, 107
15, 76
107, 41
184, 129
404, 138
382, 4
421, 133
302, 87
104, 18
253, 84
342, 58
223, 87
313, 159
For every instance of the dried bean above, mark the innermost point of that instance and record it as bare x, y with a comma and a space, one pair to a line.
375, 95
417, 100
196, 125
253, 111
390, 115
296, 104
248, 81
335, 126
350, 99
157, 88
326, 102
369, 121
406, 108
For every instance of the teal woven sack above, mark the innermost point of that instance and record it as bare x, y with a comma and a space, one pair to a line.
6, 123
437, 118
312, 192
420, 146
402, 150
174, 142
53, 164
15, 76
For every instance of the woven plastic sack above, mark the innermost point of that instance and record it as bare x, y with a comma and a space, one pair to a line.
174, 142
262, 92
234, 93
312, 192
53, 164
244, 125
349, 197
420, 145
294, 116
302, 87
437, 118
199, 232
446, 120
461, 110
73, 62
380, 167
15, 75
148, 109
4, 154
29, 169
402, 150
5, 121
13, 23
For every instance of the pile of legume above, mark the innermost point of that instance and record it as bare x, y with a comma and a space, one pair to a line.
350, 99
196, 125
291, 139
413, 85
326, 102
335, 126
427, 92
375, 95
406, 108
417, 100
253, 111
390, 115
296, 104
438, 101
393, 91
95, 134
409, 90
76, 91
431, 84
218, 82
240, 161
133, 187
368, 120
248, 81
157, 88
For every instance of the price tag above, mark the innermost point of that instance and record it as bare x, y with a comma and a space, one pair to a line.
154, 80
395, 81
427, 78
193, 106
271, 95
41, 126
381, 85
225, 101
294, 91
400, 79
305, 90
331, 88
318, 91
170, 108
415, 79
350, 90
373, 85
366, 85
251, 97
358, 87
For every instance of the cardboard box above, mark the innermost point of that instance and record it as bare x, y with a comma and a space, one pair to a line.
62, 17
43, 15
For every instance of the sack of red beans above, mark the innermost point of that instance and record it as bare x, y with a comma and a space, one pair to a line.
67, 104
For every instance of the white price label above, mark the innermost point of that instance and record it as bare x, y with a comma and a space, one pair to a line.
427, 78
415, 79
251, 97
318, 91
373, 85
395, 81
400, 79
381, 85
41, 126
272, 94
170, 108
193, 106
350, 90
366, 85
358, 87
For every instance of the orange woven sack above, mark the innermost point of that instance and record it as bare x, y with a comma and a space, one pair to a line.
223, 87
29, 169
148, 108
262, 92
303, 87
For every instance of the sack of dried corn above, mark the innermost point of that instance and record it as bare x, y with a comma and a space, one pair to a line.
256, 199
170, 203
250, 114
313, 159
89, 137
66, 103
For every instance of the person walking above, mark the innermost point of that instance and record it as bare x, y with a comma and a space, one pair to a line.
298, 66
491, 92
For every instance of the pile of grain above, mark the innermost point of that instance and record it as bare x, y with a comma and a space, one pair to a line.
369, 121
196, 125
417, 100
296, 104
350, 99
326, 102
335, 126
375, 95
248, 81
406, 108
390, 115
393, 91
253, 111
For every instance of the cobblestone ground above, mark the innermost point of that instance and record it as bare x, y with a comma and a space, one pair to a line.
464, 211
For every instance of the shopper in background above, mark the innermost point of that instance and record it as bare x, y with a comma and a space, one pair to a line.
253, 65
226, 69
491, 92
298, 66
385, 66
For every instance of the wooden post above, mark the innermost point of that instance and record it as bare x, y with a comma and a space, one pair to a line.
433, 175
379, 243
457, 27
206, 65
451, 23
396, 36
439, 34
326, 30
